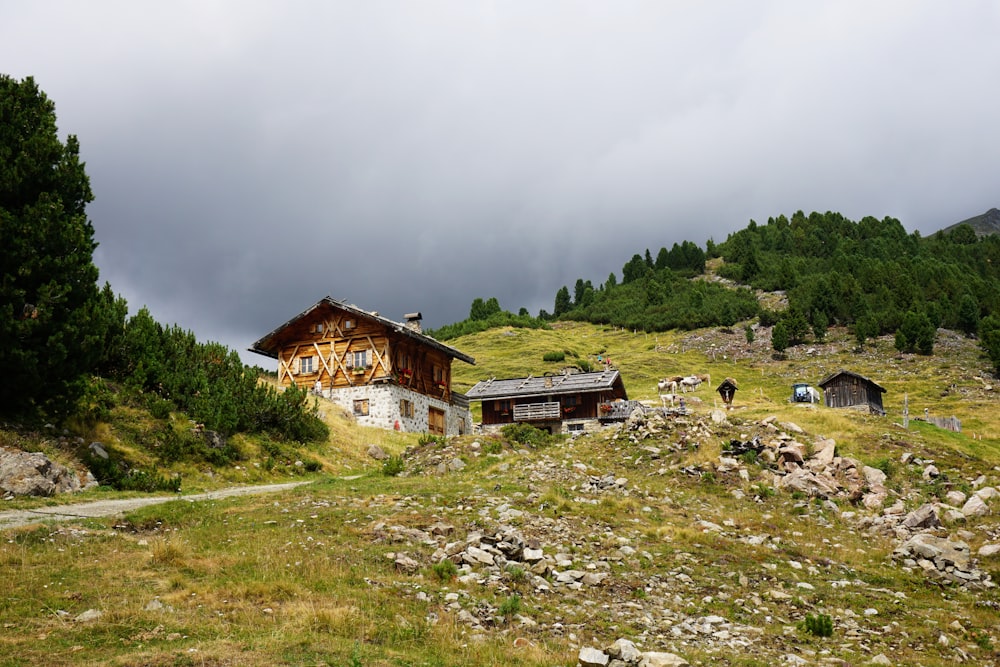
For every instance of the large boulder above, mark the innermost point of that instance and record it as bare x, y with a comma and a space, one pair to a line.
591, 657
661, 659
941, 551
922, 518
809, 483
34, 474
975, 506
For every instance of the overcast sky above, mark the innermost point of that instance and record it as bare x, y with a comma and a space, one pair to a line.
249, 158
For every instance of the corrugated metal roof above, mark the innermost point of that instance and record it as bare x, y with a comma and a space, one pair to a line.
545, 385
825, 381
265, 347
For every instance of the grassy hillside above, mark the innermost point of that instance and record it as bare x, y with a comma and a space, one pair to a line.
674, 550
953, 382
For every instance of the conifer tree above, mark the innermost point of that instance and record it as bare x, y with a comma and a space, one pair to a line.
48, 281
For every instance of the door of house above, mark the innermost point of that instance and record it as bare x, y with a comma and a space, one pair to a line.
435, 421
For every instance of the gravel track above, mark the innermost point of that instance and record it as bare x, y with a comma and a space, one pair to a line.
100, 508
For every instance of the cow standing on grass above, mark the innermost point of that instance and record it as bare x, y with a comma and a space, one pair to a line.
690, 382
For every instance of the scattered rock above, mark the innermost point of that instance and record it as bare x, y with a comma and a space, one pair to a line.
97, 449
988, 550
88, 616
591, 657
975, 506
923, 517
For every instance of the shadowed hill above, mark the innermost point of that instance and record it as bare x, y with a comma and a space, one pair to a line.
984, 224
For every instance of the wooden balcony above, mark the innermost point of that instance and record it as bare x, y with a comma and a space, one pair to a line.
536, 412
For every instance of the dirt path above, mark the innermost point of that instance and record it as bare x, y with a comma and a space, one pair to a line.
99, 508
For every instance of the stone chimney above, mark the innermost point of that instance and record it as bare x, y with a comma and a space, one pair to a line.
413, 321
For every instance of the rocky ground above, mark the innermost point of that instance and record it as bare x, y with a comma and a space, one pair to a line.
692, 578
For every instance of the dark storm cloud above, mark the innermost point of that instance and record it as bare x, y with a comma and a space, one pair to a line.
249, 158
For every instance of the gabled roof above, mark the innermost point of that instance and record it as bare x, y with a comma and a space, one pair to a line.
547, 385
268, 347
829, 378
728, 382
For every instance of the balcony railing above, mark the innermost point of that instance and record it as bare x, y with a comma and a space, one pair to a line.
536, 411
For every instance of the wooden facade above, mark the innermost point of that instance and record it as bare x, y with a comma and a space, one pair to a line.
845, 389
333, 347
549, 401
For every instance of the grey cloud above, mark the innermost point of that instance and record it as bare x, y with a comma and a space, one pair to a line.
250, 158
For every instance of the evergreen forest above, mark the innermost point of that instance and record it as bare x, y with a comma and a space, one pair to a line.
869, 275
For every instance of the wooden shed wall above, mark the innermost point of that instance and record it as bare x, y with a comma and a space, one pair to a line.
846, 391
573, 406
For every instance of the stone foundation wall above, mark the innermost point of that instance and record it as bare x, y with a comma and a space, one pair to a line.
384, 408
565, 426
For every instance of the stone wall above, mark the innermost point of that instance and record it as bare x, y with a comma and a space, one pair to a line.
565, 426
384, 408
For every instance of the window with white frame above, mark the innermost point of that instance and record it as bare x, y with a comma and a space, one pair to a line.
360, 358
306, 365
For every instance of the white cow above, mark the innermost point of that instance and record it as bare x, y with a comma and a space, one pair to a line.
668, 398
690, 382
668, 385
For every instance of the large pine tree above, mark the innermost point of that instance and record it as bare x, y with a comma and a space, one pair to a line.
48, 281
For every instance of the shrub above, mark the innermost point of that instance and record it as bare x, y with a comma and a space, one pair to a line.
819, 625
886, 465
428, 439
493, 447
393, 466
510, 606
109, 473
768, 318
177, 446
445, 570
526, 434
159, 408
554, 356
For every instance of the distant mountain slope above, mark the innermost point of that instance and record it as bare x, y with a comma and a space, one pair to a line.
984, 225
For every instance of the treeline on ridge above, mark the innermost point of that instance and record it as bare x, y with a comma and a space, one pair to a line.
868, 275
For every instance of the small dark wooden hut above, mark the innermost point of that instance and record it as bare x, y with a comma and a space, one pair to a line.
845, 389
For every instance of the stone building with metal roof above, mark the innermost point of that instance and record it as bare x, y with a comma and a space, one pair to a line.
555, 403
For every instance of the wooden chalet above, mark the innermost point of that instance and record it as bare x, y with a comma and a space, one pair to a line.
571, 401
386, 373
845, 389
